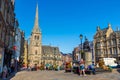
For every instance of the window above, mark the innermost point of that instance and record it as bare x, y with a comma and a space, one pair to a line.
114, 42
110, 51
114, 49
37, 37
109, 43
36, 52
98, 44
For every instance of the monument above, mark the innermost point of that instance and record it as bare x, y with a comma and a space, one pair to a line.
87, 52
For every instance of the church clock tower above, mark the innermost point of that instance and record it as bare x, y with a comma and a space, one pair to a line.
34, 55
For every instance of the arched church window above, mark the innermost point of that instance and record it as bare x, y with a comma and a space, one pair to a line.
37, 37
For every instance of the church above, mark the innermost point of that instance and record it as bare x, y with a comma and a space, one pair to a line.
34, 49
38, 54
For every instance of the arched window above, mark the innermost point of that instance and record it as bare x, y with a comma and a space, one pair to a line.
37, 37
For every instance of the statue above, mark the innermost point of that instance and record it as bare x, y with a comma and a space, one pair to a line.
86, 46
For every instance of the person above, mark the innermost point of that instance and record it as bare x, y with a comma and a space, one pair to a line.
93, 68
12, 68
82, 68
29, 68
5, 72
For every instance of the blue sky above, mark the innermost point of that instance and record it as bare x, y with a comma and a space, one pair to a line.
62, 21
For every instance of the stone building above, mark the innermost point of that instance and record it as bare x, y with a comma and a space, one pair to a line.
34, 54
67, 58
76, 53
24, 56
51, 55
107, 43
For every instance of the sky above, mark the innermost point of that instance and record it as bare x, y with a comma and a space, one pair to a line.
62, 21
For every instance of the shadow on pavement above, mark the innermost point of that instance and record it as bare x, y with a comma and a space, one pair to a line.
118, 70
11, 76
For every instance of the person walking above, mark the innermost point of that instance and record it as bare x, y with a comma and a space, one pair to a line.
5, 70
82, 68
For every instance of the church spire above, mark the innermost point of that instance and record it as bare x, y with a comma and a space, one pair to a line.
36, 24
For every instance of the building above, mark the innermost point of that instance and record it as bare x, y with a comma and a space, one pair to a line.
76, 53
92, 50
107, 43
22, 45
51, 55
17, 46
24, 56
67, 58
35, 46
7, 32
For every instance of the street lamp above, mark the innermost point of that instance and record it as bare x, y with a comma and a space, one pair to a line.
54, 56
81, 36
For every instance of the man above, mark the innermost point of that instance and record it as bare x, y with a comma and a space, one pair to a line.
93, 68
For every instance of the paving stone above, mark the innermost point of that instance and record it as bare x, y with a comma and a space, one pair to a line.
61, 75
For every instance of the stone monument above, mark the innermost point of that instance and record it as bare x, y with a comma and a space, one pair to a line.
87, 52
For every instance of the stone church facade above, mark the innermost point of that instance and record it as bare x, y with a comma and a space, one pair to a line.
107, 43
51, 55
34, 51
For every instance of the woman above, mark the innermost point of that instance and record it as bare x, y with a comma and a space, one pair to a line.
82, 68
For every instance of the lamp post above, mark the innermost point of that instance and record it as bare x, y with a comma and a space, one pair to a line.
81, 36
54, 56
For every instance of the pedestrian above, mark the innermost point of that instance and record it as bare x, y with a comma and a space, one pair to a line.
5, 70
82, 68
12, 68
29, 68
92, 67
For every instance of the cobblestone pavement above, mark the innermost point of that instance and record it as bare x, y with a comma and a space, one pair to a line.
61, 75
